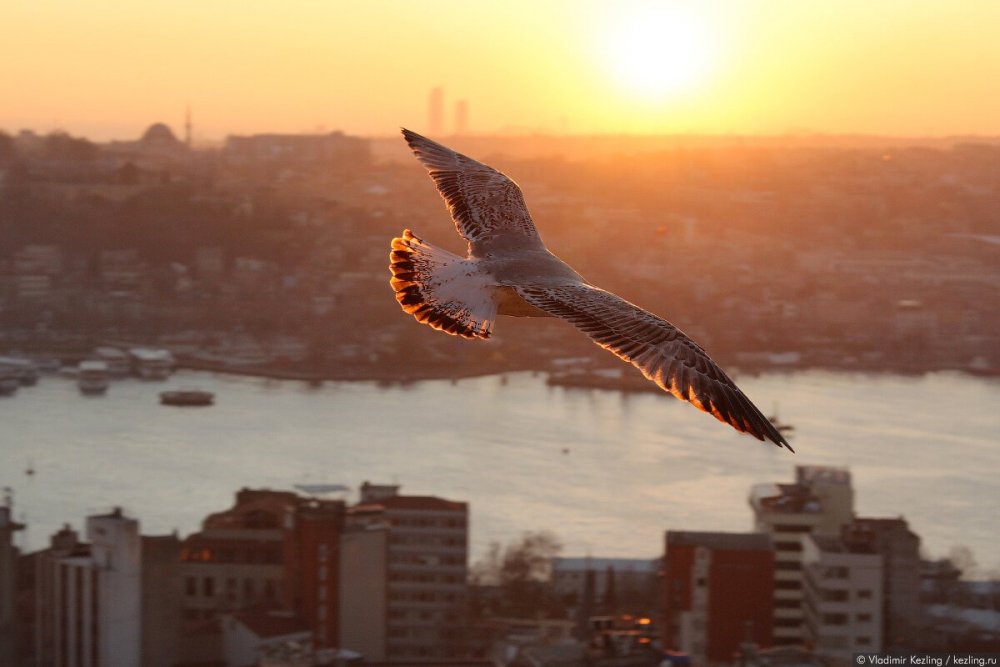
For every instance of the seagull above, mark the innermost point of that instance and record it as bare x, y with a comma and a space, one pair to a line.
509, 271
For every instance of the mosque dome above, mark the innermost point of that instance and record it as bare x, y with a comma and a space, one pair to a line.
159, 133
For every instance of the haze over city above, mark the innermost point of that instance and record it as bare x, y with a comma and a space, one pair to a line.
103, 69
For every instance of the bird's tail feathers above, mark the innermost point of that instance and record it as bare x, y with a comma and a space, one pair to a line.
441, 289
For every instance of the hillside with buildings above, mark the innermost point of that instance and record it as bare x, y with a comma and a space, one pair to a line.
273, 249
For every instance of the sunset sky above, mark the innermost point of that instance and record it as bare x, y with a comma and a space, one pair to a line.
107, 69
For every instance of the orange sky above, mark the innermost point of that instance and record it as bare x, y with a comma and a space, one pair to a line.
108, 69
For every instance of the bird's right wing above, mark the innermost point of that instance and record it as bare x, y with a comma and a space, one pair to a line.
485, 204
657, 348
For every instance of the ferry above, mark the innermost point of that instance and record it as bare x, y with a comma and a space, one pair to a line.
116, 359
10, 381
151, 364
24, 369
93, 377
187, 398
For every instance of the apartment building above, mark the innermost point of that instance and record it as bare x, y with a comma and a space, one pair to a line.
842, 595
820, 502
718, 593
426, 569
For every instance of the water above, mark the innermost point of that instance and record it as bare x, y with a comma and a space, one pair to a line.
927, 448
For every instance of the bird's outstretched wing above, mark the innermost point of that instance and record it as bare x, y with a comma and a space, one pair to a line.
658, 349
485, 204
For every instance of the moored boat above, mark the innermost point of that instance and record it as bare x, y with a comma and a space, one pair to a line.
187, 397
93, 377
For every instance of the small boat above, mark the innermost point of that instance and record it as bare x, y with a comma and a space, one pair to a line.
151, 364
117, 360
10, 381
187, 398
93, 378
25, 369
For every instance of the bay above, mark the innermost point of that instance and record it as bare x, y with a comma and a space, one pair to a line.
608, 473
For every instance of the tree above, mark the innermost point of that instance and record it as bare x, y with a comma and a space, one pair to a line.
520, 571
963, 559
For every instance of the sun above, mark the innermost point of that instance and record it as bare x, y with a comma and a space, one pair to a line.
659, 50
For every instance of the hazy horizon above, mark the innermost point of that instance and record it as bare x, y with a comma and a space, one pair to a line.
104, 71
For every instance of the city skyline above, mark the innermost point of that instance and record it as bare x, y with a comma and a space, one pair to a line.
915, 69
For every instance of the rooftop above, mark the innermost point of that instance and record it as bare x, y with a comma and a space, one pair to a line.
720, 541
424, 503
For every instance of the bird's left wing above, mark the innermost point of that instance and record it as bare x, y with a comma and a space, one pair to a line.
485, 204
657, 348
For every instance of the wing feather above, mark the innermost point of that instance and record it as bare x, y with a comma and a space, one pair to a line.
657, 348
485, 204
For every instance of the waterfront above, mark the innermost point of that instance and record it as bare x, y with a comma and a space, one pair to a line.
925, 447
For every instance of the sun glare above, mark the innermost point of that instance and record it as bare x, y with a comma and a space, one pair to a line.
657, 51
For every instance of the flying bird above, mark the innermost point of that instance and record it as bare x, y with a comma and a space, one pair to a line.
509, 271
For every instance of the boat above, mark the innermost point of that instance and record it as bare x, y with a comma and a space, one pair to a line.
187, 397
117, 360
150, 363
10, 381
25, 369
93, 378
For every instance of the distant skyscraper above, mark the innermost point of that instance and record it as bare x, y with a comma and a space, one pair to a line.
187, 127
435, 111
461, 117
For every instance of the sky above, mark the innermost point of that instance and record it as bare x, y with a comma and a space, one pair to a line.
106, 69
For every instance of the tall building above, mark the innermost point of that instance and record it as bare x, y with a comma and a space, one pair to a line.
88, 596
161, 600
312, 566
8, 562
820, 502
435, 112
718, 593
842, 595
900, 551
461, 117
364, 584
425, 570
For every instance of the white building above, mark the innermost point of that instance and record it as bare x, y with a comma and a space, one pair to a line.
90, 596
820, 502
843, 597
426, 570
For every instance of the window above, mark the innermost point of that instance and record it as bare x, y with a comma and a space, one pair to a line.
208, 587
787, 604
863, 641
191, 586
864, 618
787, 565
835, 619
248, 588
787, 622
791, 528
864, 594
788, 546
783, 585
